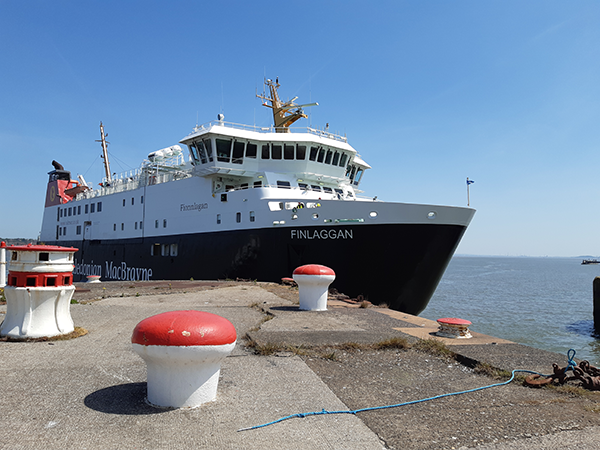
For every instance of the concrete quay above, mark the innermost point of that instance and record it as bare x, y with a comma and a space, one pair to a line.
88, 392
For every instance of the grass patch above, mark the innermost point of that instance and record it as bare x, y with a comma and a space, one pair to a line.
395, 342
483, 368
433, 347
77, 332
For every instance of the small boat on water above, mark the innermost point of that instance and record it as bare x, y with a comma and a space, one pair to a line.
590, 261
253, 203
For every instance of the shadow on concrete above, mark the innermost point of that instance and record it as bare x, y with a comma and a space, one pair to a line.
285, 308
126, 399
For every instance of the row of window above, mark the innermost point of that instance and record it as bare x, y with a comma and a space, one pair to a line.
238, 217
62, 231
233, 151
133, 200
76, 210
88, 208
163, 250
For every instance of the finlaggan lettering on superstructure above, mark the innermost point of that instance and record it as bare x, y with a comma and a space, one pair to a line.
195, 207
322, 234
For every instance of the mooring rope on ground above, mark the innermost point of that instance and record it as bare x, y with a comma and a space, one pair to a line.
571, 364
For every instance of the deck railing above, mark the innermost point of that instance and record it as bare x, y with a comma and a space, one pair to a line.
270, 129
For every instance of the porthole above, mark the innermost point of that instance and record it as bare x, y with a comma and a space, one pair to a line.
373, 214
294, 216
315, 216
431, 215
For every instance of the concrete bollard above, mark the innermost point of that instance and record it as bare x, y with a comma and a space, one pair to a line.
597, 305
38, 292
313, 282
451, 327
183, 351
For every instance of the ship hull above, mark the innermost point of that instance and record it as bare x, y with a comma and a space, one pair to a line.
396, 264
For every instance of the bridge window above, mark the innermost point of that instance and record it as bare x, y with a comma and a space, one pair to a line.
301, 152
238, 152
265, 151
223, 149
303, 186
314, 187
92, 207
328, 157
328, 190
336, 158
359, 173
288, 151
69, 211
321, 156
313, 153
251, 150
276, 151
44, 256
257, 184
343, 160
283, 184
194, 152
208, 145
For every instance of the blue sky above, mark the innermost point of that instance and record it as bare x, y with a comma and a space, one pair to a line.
506, 93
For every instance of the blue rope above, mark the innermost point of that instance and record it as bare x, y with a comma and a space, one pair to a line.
570, 365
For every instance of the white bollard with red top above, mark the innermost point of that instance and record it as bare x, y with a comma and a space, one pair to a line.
183, 351
313, 284
38, 292
454, 328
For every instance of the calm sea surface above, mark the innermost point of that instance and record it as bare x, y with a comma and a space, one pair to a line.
546, 303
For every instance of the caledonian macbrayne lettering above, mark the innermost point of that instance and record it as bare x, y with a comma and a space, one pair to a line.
113, 271
322, 234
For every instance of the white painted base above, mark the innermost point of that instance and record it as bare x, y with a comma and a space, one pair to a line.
313, 290
37, 312
182, 377
454, 331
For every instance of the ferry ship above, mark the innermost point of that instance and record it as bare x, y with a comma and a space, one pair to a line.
245, 202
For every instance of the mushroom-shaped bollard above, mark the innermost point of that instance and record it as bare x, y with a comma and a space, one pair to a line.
313, 283
183, 351
454, 328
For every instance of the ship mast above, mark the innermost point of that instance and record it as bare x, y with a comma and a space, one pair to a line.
105, 153
282, 116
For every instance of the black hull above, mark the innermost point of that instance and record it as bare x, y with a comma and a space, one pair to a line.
400, 265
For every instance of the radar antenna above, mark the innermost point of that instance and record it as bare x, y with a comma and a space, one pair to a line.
283, 116
105, 153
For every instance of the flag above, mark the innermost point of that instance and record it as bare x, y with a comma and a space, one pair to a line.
469, 182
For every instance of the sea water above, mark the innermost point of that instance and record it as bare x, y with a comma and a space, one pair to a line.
546, 303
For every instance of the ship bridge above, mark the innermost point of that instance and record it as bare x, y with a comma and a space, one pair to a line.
304, 155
